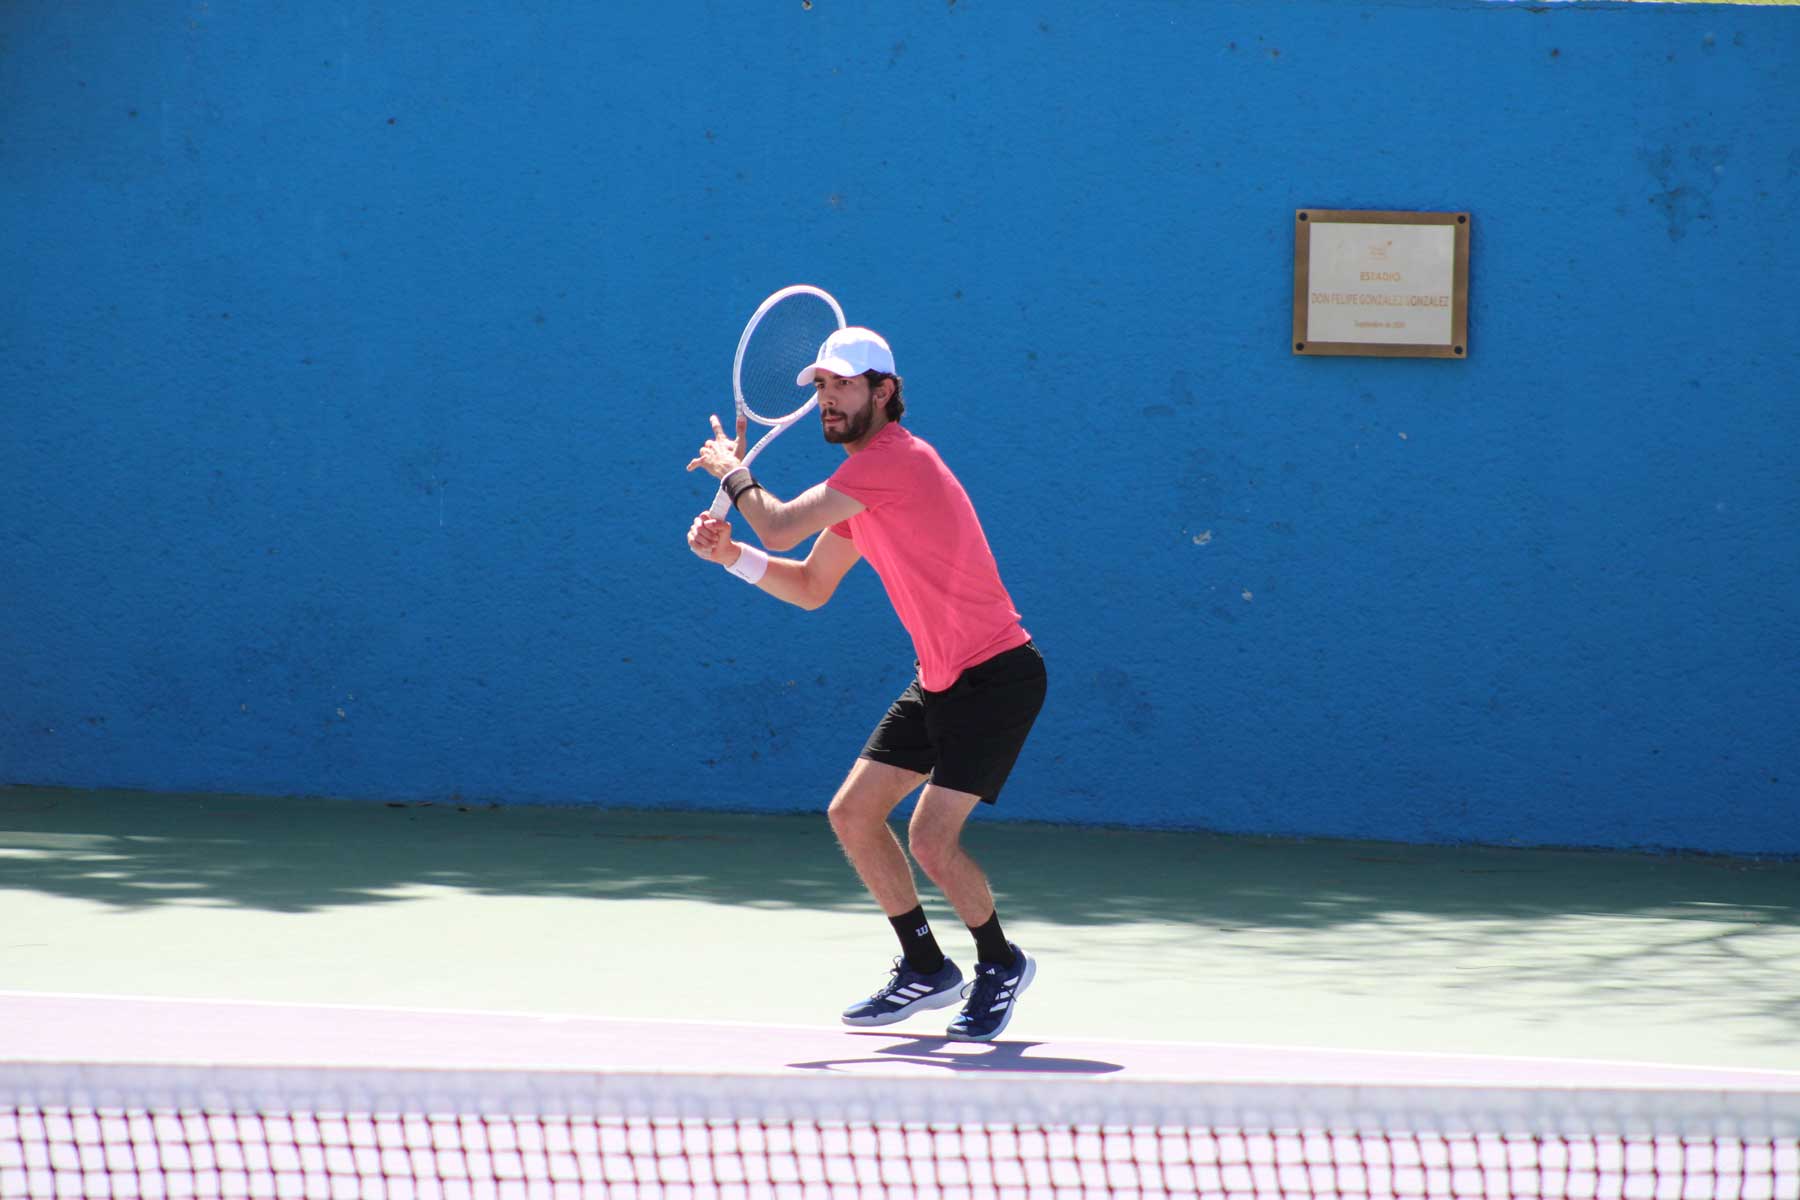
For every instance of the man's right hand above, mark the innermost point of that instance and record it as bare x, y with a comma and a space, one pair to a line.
710, 538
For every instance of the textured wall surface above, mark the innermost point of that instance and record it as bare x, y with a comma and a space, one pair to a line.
350, 355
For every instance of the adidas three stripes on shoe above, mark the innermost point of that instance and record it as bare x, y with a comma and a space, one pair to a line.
907, 992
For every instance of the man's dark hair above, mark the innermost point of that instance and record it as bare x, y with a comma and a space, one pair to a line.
895, 405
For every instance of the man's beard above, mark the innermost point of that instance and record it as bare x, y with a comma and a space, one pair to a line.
854, 427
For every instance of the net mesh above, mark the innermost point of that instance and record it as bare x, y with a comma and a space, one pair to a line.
653, 1137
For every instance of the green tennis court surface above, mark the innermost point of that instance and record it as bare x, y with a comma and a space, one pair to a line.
692, 917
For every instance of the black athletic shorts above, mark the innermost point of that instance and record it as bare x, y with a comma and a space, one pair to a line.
968, 737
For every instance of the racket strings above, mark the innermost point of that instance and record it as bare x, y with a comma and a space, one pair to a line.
786, 338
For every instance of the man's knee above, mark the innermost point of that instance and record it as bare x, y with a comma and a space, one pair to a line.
935, 834
933, 848
848, 812
868, 794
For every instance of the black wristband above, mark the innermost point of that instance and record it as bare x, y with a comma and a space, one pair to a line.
739, 482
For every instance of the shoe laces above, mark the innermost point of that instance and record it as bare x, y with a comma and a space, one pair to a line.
895, 974
988, 988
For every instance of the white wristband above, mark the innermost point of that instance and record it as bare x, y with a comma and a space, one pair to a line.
750, 564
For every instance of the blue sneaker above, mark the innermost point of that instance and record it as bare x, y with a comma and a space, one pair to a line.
906, 992
991, 997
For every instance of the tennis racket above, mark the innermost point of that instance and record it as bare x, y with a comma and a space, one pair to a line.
784, 334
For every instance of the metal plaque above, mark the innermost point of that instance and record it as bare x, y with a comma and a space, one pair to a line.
1394, 284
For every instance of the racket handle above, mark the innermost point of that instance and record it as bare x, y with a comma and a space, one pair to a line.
721, 506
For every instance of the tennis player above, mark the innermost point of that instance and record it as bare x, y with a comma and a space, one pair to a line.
960, 724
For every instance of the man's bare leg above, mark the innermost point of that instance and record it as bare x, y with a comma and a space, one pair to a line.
1003, 971
859, 814
935, 836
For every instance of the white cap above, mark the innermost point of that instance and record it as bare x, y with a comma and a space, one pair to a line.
851, 352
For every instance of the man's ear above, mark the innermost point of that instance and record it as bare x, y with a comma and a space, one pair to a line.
884, 391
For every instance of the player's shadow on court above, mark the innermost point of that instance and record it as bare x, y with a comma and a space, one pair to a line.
961, 1056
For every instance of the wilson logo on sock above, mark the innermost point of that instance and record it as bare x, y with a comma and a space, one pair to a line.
921, 931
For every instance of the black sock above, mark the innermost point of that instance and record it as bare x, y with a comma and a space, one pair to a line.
916, 942
990, 943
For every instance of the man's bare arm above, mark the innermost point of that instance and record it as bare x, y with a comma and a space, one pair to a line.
807, 584
782, 525
810, 584
779, 524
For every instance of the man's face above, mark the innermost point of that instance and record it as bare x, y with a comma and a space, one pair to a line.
846, 406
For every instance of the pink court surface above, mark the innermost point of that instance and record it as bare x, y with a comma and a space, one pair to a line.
235, 931
52, 1028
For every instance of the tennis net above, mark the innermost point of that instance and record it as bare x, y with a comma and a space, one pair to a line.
202, 1132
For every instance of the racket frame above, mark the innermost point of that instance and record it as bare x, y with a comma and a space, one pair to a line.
721, 504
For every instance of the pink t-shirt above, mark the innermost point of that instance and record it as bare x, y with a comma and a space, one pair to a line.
919, 531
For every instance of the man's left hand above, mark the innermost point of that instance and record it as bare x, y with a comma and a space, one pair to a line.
721, 456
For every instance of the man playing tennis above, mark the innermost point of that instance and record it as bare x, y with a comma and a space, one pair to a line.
959, 726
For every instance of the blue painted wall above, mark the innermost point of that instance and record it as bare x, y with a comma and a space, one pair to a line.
350, 355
